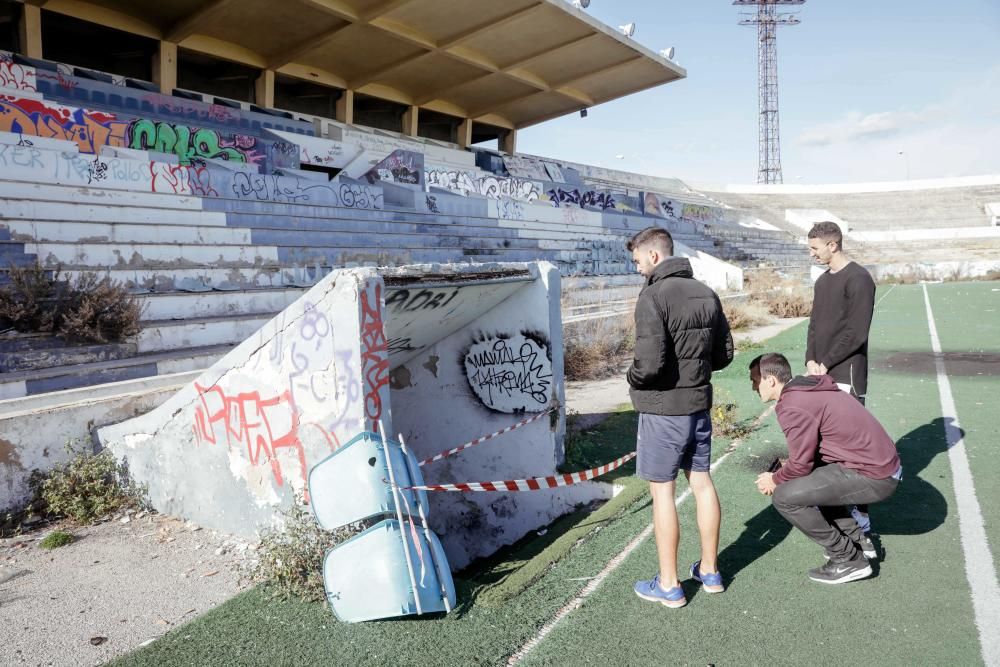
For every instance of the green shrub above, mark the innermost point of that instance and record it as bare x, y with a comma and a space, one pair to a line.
88, 308
88, 487
56, 539
291, 556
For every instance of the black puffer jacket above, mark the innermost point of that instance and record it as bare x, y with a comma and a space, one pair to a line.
681, 336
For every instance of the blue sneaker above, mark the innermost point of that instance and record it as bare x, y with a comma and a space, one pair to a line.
712, 583
650, 590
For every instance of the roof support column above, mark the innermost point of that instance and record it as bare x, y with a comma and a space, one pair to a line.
508, 141
410, 119
30, 30
165, 67
465, 133
345, 107
264, 89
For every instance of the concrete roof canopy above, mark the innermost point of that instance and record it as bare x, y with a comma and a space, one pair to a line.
511, 63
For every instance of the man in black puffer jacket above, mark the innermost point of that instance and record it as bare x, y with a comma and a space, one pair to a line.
681, 336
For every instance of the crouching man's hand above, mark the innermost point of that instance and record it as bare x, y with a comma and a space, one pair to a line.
765, 483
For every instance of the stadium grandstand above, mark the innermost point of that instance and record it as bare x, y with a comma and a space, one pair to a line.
220, 157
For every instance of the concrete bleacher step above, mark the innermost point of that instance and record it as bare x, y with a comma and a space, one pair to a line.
108, 395
119, 232
184, 305
90, 256
56, 378
172, 334
28, 209
170, 279
38, 354
50, 192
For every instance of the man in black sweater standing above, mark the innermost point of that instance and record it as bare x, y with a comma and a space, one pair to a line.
681, 336
837, 344
843, 304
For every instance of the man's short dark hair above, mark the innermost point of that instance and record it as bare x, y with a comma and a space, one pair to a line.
773, 364
657, 236
827, 231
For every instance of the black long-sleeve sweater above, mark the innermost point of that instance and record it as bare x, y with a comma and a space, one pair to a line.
843, 304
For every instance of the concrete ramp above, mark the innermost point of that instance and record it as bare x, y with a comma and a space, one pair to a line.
440, 354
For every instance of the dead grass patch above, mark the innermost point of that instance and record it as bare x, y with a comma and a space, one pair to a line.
596, 349
780, 295
744, 315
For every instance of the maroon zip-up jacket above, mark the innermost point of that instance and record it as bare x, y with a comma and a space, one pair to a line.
817, 417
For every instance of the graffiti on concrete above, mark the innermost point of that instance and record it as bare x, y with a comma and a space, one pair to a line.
193, 180
525, 167
661, 207
510, 209
190, 144
494, 187
262, 425
374, 353
554, 172
489, 186
587, 199
699, 212
288, 189
405, 301
510, 374
355, 195
91, 130
17, 77
400, 166
26, 156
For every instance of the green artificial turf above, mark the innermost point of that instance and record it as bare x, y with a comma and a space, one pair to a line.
916, 610
968, 321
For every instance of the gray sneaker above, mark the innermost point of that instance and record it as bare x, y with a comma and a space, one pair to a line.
868, 547
841, 573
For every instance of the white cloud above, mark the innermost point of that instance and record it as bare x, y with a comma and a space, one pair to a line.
855, 127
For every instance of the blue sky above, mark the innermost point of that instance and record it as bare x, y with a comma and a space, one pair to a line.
859, 81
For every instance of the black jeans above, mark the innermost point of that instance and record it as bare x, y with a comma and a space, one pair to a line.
818, 505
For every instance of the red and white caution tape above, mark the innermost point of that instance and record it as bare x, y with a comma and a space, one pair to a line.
532, 483
477, 441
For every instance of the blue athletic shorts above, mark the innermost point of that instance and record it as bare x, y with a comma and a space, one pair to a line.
668, 443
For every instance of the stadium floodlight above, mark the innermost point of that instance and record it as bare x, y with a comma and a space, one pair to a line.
668, 53
628, 29
581, 4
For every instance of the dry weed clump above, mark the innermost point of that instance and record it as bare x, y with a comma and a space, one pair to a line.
595, 349
725, 421
743, 315
793, 303
291, 557
89, 308
781, 296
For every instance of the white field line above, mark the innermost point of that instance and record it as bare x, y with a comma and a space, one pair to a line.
613, 565
979, 567
882, 298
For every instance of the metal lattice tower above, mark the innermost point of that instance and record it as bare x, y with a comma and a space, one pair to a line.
767, 19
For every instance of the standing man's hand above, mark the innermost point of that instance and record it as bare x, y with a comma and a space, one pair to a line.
812, 368
765, 483
822, 369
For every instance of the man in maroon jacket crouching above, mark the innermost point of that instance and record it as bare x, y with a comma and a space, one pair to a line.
838, 455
